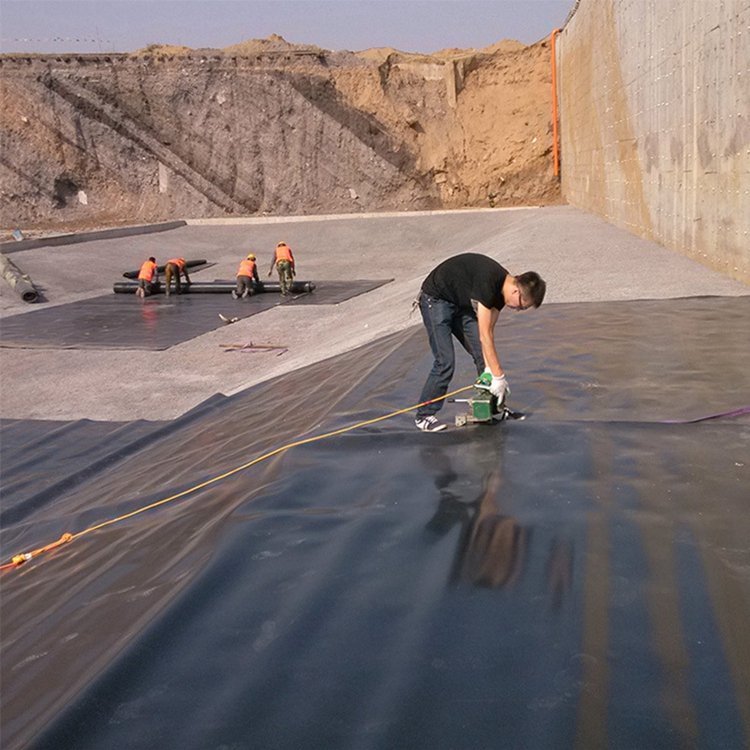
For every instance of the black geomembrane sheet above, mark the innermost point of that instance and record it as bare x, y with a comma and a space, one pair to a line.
123, 321
577, 579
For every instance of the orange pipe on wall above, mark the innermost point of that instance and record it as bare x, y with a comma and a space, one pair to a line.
555, 137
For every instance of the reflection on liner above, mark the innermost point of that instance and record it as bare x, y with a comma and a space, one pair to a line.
493, 547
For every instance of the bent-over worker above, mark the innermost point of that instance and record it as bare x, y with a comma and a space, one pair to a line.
173, 268
462, 297
247, 278
283, 262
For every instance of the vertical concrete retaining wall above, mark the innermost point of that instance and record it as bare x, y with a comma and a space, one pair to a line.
655, 122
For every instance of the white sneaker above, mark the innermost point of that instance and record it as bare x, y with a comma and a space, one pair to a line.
430, 424
234, 294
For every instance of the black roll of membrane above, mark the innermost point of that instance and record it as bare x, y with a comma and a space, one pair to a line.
216, 287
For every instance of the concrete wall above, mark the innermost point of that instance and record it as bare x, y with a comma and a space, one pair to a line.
655, 122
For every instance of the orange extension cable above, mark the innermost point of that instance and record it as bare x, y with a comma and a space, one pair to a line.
18, 560
555, 137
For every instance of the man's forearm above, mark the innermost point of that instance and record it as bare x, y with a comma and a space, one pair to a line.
486, 319
491, 358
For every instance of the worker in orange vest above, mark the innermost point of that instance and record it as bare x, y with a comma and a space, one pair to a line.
173, 269
247, 278
283, 262
148, 278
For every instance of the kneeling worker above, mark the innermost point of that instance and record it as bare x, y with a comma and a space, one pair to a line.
173, 269
247, 278
148, 278
462, 297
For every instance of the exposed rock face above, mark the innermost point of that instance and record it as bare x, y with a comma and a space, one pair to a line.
269, 128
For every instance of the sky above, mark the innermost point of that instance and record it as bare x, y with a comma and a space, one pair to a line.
407, 25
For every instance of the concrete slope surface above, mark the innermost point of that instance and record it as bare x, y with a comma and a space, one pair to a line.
582, 258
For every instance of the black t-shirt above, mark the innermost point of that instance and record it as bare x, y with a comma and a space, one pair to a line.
467, 277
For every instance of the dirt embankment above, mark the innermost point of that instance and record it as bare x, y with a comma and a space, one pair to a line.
270, 128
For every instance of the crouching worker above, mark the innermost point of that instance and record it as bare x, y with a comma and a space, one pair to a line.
462, 297
247, 278
172, 270
283, 262
148, 278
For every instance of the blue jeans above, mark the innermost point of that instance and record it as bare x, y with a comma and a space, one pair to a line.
443, 320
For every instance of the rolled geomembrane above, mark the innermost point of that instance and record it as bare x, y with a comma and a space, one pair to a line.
18, 280
215, 287
188, 263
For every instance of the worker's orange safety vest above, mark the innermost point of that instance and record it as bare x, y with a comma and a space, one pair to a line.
177, 262
284, 252
247, 268
148, 269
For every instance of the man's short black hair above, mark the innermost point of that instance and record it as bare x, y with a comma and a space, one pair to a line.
532, 287
152, 259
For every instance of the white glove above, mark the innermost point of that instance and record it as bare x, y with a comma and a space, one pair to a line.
499, 387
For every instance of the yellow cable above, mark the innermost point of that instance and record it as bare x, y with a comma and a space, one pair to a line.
18, 560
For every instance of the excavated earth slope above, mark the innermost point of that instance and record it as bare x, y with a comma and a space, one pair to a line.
266, 127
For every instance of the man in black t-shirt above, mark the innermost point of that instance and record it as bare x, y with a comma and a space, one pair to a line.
462, 297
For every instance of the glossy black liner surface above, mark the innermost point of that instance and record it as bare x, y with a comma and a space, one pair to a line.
578, 579
118, 321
